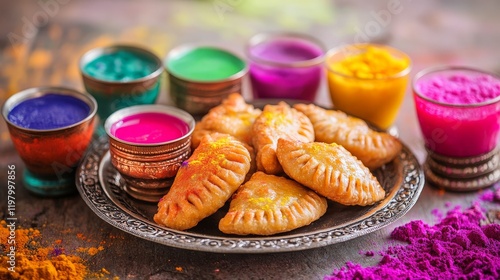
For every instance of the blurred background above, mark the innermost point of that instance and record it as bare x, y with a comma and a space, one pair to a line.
42, 41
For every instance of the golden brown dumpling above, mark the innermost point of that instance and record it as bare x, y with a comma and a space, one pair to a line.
269, 204
278, 121
234, 117
373, 148
204, 182
330, 170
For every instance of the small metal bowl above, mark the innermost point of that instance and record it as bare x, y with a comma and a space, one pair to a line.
149, 169
198, 96
51, 155
114, 95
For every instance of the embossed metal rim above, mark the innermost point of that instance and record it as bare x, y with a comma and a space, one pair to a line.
270, 36
361, 47
92, 192
94, 53
441, 69
34, 92
156, 108
186, 48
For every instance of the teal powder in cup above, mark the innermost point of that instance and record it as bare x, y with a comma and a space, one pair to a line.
121, 76
122, 65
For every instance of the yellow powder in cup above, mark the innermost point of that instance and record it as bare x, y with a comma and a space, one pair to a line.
373, 63
368, 81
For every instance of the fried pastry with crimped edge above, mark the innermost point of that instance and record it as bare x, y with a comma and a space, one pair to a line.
204, 182
372, 147
233, 116
278, 121
269, 204
331, 171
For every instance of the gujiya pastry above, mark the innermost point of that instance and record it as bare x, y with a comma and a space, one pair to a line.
277, 167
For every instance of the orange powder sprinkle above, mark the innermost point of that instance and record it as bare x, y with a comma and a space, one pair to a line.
102, 274
66, 231
91, 250
81, 236
33, 261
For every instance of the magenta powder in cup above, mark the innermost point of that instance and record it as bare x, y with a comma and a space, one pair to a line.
149, 128
461, 89
458, 110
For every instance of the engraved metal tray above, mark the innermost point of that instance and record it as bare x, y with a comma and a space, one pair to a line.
100, 185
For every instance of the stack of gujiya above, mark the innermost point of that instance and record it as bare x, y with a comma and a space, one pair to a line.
277, 167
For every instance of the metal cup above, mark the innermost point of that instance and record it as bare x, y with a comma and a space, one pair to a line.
50, 155
198, 97
148, 169
462, 140
282, 75
372, 98
114, 95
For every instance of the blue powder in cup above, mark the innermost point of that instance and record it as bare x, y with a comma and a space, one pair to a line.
49, 111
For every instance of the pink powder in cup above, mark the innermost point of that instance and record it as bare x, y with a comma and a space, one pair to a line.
149, 128
458, 109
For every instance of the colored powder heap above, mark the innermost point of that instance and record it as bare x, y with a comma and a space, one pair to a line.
491, 195
374, 63
460, 88
31, 259
34, 261
456, 248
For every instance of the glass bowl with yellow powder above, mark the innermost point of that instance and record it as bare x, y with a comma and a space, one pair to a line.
368, 81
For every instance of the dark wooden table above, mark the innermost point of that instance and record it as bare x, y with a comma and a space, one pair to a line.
41, 45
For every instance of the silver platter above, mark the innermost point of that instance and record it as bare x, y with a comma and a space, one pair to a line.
101, 187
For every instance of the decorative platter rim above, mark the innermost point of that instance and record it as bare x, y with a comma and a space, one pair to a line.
102, 201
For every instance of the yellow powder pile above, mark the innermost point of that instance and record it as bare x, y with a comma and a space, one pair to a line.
33, 261
374, 63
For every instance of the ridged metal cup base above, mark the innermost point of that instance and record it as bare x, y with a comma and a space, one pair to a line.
147, 190
463, 174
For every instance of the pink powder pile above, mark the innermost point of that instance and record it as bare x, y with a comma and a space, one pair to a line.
460, 88
491, 195
458, 247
